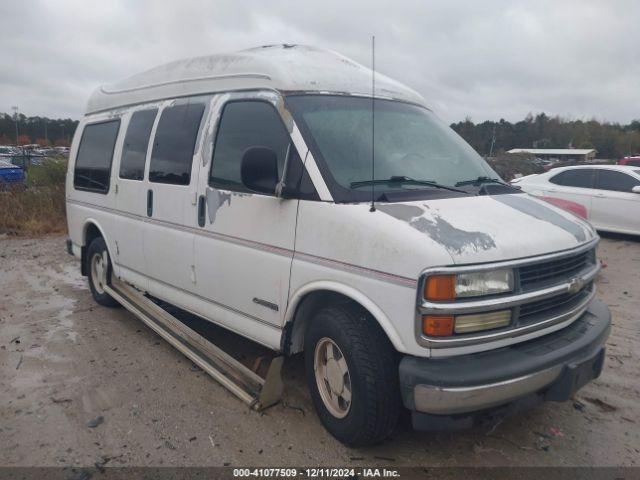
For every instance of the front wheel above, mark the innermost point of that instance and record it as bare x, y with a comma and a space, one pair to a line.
99, 268
352, 372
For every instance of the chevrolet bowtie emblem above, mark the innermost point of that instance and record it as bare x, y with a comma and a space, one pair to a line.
575, 285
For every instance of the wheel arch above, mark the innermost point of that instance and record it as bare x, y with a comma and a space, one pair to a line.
90, 230
310, 297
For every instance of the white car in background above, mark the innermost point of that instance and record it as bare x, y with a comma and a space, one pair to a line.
610, 193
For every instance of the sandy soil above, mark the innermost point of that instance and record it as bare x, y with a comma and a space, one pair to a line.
67, 364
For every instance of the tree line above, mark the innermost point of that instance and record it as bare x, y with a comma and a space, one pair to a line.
41, 130
611, 140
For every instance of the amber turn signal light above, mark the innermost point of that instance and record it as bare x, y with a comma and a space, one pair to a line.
437, 325
440, 287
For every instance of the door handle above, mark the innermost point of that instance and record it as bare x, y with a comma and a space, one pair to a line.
149, 203
202, 210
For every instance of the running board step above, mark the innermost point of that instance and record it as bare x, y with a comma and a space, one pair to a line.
257, 392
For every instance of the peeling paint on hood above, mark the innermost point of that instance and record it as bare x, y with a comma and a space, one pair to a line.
492, 228
453, 239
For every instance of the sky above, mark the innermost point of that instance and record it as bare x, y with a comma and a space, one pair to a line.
482, 60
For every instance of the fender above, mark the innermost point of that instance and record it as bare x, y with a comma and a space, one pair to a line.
92, 221
350, 292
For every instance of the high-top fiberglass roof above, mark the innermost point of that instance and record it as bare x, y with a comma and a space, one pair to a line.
286, 68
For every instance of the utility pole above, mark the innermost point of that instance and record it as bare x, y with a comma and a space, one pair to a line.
493, 141
15, 118
46, 139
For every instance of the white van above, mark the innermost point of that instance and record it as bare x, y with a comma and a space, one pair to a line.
239, 187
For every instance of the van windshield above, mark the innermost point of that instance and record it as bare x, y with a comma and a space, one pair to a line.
416, 155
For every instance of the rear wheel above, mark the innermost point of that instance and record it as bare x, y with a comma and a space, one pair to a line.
352, 372
99, 268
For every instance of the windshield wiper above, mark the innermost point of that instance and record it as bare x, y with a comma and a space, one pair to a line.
405, 181
479, 181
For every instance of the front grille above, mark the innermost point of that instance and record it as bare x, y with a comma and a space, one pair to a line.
552, 281
554, 271
549, 307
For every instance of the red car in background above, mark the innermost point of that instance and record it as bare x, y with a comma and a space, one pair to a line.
568, 205
632, 161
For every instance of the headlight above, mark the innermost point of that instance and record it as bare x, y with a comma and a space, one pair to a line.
464, 285
484, 283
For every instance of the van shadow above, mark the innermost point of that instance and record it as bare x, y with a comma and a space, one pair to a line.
621, 237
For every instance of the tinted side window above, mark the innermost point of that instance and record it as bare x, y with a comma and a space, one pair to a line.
174, 143
617, 181
93, 162
245, 124
136, 141
580, 177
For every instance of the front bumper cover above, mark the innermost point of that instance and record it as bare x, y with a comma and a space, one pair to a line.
456, 392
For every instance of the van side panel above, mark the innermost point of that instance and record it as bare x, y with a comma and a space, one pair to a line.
238, 322
131, 206
84, 207
75, 225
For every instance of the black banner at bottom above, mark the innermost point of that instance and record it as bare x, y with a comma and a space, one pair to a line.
435, 473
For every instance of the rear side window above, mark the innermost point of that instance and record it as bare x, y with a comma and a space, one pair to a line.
580, 177
95, 153
136, 141
174, 143
246, 124
616, 181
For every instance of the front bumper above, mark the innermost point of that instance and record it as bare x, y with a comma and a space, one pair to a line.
455, 392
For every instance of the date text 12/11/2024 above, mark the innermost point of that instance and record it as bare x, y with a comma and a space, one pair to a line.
316, 472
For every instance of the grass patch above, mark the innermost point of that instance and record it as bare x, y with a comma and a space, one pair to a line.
52, 172
39, 207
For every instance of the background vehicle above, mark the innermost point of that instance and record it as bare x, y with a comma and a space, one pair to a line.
238, 187
631, 161
568, 205
10, 175
609, 193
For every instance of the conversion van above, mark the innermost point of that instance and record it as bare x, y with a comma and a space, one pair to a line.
251, 190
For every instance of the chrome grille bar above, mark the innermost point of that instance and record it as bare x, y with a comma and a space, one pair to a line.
555, 269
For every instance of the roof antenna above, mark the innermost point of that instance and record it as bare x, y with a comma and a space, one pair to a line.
373, 123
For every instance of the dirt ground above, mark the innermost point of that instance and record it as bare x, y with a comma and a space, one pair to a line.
67, 364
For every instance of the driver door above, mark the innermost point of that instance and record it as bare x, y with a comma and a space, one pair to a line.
244, 251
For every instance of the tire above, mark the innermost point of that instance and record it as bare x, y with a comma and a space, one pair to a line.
371, 380
98, 269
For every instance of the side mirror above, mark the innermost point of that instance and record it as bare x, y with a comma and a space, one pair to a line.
259, 169
636, 189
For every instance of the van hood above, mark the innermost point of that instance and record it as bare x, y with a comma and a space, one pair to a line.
492, 228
